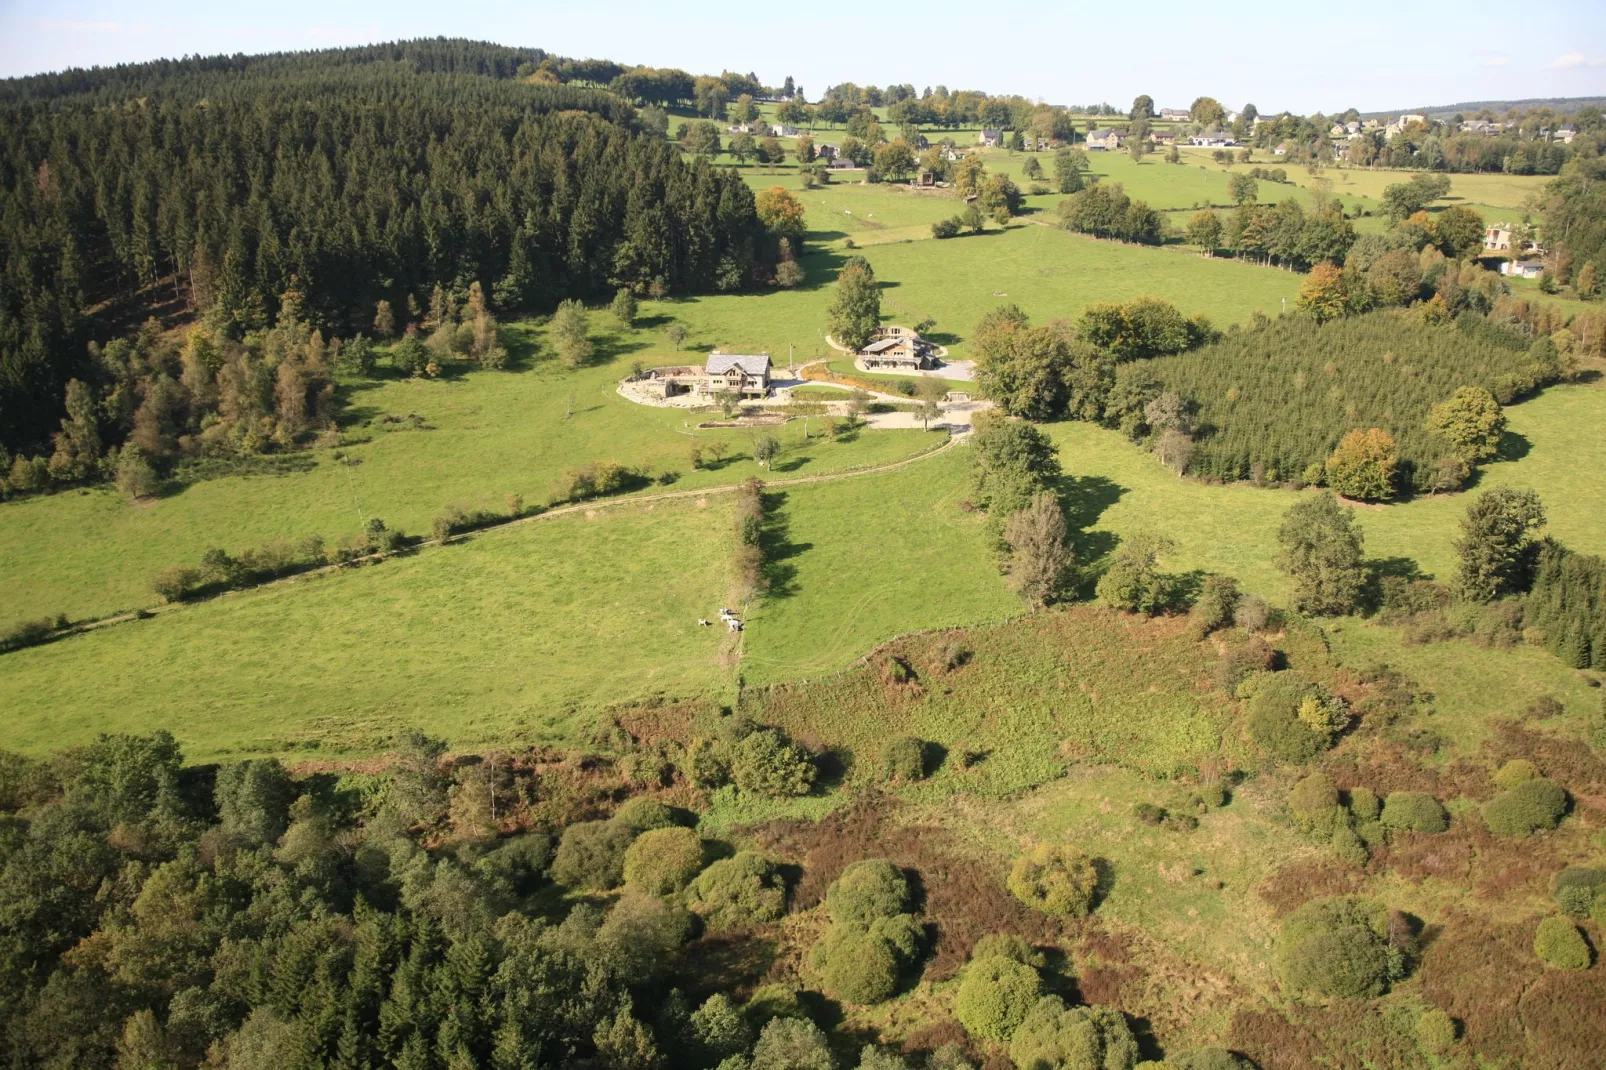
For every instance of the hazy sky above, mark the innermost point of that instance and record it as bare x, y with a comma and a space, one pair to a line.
1366, 54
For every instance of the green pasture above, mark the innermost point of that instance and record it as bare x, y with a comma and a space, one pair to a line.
1115, 489
508, 636
857, 561
86, 553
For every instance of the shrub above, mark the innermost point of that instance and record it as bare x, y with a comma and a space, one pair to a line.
1558, 943
766, 764
1217, 603
642, 814
720, 1029
1134, 582
1435, 1031
867, 890
903, 759
1213, 793
1597, 913
864, 963
995, 997
769, 1002
1532, 806
1414, 810
1008, 946
175, 582
1272, 702
792, 1044
738, 892
1577, 888
1364, 804
1208, 1059
1253, 613
874, 1058
591, 855
1240, 661
1079, 1038
663, 861
1149, 814
1055, 879
27, 633
1517, 771
1314, 803
1336, 947
1349, 846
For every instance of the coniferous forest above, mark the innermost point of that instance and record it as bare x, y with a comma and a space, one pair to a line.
219, 184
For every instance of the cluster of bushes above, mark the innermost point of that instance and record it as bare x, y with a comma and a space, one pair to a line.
873, 939
760, 761
903, 760
1527, 802
1289, 716
598, 479
1275, 402
31, 632
1057, 879
1001, 999
220, 571
1345, 946
970, 219
461, 516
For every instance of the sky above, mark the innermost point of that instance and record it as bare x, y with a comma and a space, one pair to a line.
1368, 54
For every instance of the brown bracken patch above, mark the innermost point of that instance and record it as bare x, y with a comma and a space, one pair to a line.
1476, 971
963, 899
1295, 883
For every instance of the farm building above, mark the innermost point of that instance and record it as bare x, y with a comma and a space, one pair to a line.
783, 130
747, 375
991, 138
825, 152
896, 349
1164, 137
1175, 115
1105, 140
1523, 269
1497, 239
1218, 140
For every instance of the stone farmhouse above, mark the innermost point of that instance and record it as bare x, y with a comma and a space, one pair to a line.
896, 349
746, 375
991, 138
1105, 139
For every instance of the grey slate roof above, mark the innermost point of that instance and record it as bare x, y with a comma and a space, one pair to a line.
883, 344
752, 364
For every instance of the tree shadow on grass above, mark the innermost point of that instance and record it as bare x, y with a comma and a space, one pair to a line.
775, 542
1514, 446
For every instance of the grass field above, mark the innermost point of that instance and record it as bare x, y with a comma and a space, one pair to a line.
1119, 489
860, 560
88, 553
505, 637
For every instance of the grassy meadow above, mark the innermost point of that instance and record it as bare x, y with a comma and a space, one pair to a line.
859, 560
507, 636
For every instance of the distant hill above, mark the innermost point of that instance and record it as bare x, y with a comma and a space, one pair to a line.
1499, 107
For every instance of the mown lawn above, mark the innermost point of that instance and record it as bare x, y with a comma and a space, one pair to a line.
511, 636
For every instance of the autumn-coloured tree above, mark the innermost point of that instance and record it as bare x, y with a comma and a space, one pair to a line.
1324, 293
1363, 466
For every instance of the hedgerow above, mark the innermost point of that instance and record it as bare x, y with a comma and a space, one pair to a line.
1278, 398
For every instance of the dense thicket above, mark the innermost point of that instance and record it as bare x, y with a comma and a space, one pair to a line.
219, 187
1567, 605
1280, 397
